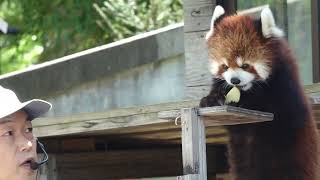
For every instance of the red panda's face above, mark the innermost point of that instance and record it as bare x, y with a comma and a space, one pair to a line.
237, 49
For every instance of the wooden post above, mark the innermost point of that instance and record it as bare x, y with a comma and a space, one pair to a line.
189, 177
197, 17
315, 24
48, 171
193, 145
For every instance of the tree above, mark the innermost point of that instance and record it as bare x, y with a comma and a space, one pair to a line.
52, 29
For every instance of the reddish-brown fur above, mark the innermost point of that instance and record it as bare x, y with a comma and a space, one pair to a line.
237, 36
286, 148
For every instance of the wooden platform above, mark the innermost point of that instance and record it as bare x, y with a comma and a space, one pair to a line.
153, 123
122, 163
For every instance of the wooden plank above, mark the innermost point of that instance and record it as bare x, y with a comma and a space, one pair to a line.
315, 28
130, 164
48, 171
129, 120
189, 177
223, 115
87, 126
197, 14
78, 144
314, 88
193, 144
198, 77
120, 164
113, 120
113, 113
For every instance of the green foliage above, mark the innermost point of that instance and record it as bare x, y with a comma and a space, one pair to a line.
52, 29
246, 4
123, 18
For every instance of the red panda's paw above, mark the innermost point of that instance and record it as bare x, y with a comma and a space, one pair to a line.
211, 100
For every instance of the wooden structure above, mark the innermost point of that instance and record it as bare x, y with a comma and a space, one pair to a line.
144, 141
92, 146
194, 121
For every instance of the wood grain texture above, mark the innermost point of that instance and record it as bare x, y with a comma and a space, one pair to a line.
224, 115
193, 144
129, 164
198, 77
113, 120
197, 14
189, 177
140, 122
48, 171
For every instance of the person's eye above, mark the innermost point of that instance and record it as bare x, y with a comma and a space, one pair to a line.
29, 130
8, 133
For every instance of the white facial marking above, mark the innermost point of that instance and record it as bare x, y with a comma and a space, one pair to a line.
245, 77
247, 86
214, 65
224, 60
269, 28
218, 11
239, 61
262, 69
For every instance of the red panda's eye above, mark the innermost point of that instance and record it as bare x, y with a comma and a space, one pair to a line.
225, 67
245, 66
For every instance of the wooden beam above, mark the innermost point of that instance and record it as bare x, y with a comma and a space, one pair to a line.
315, 28
112, 120
129, 121
131, 164
193, 144
189, 177
223, 115
48, 171
120, 164
197, 14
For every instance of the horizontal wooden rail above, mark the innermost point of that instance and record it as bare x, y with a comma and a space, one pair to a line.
223, 115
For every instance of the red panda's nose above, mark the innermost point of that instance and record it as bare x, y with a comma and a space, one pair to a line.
235, 81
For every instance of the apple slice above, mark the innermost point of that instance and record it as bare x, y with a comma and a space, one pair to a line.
233, 95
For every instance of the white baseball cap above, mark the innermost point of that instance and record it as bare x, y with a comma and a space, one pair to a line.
9, 103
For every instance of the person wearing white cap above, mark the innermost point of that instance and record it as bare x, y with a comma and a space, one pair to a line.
18, 145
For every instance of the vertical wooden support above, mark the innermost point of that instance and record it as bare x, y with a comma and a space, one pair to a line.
193, 144
48, 171
189, 177
315, 24
197, 18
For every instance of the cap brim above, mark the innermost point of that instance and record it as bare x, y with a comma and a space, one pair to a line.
36, 108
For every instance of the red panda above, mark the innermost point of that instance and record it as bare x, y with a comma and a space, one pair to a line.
252, 55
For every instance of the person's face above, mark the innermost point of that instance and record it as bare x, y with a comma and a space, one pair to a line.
17, 147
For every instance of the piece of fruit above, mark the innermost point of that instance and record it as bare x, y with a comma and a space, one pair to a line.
233, 95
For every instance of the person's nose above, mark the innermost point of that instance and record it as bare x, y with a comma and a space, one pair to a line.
25, 144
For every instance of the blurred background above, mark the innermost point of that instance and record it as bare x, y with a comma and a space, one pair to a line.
52, 29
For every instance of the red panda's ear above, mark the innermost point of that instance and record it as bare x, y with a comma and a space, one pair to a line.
269, 28
218, 12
